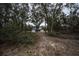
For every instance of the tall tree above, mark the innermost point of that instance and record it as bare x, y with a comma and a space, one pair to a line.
37, 16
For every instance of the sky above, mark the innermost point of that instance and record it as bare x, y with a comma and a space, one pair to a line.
66, 11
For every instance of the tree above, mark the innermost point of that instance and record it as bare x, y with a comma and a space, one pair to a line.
36, 16
73, 18
52, 15
4, 12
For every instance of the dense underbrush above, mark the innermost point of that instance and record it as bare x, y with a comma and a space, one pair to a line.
12, 36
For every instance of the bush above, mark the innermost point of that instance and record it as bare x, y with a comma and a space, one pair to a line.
27, 38
13, 35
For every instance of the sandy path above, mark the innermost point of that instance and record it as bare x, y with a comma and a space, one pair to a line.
57, 46
46, 46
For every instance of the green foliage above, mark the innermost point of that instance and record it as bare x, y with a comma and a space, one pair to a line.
12, 33
16, 36
27, 38
11, 30
14, 17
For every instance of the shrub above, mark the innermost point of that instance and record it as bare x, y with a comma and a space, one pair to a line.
26, 38
13, 34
